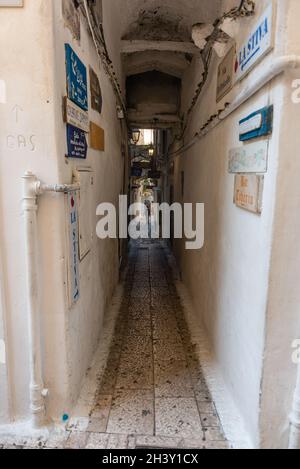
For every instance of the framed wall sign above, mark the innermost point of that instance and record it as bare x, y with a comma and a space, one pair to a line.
257, 124
76, 79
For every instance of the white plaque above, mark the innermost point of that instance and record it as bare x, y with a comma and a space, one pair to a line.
75, 116
259, 42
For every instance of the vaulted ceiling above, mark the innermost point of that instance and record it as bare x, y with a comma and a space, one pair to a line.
156, 37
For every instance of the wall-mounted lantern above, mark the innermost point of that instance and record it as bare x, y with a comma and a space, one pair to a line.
135, 136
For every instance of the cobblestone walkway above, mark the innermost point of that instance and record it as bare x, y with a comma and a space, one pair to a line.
152, 394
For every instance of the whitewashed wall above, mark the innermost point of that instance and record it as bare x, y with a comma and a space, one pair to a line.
33, 68
229, 279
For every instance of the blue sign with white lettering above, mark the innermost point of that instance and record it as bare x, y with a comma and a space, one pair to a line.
259, 43
76, 79
257, 124
77, 144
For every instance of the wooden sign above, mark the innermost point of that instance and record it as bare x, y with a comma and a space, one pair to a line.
97, 137
252, 158
225, 75
75, 116
248, 192
96, 94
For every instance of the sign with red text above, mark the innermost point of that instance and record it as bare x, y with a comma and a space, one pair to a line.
248, 192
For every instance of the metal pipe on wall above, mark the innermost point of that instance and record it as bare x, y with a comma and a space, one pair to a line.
32, 188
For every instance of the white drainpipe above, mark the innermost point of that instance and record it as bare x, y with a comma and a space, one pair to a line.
32, 188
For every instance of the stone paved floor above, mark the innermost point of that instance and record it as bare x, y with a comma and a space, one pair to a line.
152, 393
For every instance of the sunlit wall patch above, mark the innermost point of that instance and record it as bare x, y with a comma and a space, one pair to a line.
2, 92
2, 352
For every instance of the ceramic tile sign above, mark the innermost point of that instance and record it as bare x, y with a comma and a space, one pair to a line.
96, 94
71, 17
259, 42
248, 192
76, 142
257, 124
76, 79
225, 75
251, 158
73, 239
75, 116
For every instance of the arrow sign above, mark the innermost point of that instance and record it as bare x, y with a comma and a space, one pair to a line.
16, 110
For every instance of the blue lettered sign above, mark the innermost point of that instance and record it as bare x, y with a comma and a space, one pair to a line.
77, 144
76, 79
259, 43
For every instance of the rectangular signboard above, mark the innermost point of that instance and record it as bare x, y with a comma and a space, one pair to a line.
97, 137
76, 142
73, 239
259, 42
248, 192
252, 158
75, 116
225, 75
76, 79
257, 124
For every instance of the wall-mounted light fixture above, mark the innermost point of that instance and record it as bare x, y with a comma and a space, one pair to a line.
151, 152
135, 136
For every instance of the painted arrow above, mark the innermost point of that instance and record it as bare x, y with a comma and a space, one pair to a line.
17, 110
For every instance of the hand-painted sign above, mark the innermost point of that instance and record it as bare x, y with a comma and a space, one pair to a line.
96, 94
72, 213
252, 158
77, 144
225, 75
76, 79
258, 124
75, 116
248, 192
259, 43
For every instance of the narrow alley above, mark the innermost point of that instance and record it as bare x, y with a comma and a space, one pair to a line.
153, 393
149, 225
